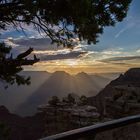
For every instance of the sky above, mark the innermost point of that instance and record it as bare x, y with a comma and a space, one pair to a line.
117, 51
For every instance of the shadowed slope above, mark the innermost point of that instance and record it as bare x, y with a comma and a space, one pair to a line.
16, 95
124, 84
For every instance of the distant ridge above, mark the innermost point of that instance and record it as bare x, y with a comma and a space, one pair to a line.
60, 84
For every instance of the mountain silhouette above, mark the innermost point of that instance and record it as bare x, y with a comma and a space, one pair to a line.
61, 84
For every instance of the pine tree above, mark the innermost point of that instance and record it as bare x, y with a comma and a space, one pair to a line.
10, 67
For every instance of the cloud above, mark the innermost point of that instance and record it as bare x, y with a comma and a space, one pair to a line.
43, 49
17, 34
125, 58
36, 43
21, 44
138, 51
47, 51
104, 54
113, 51
71, 55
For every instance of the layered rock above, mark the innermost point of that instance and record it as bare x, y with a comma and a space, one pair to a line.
120, 95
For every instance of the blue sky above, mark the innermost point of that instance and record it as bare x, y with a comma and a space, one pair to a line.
125, 34
118, 48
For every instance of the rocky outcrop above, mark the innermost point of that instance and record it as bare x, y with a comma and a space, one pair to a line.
124, 86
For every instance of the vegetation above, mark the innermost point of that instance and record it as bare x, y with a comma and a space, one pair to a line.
70, 100
10, 67
83, 100
54, 101
4, 132
64, 20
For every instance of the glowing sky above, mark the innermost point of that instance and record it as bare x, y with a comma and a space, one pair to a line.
117, 51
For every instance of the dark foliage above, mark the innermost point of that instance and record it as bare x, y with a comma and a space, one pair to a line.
10, 67
64, 20
54, 101
4, 132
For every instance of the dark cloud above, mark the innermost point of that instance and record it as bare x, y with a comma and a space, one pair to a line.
44, 45
22, 44
70, 55
36, 43
125, 58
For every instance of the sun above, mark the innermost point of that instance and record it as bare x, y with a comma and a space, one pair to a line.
71, 62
